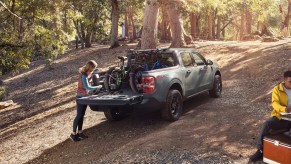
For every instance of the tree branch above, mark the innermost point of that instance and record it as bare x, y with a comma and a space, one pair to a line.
9, 10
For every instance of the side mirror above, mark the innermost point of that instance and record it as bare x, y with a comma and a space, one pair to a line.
209, 62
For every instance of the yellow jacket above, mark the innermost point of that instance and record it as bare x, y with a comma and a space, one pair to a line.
279, 100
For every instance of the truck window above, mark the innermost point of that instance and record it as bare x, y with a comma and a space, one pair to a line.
168, 60
186, 59
198, 59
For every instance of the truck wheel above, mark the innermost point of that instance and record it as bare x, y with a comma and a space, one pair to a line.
217, 87
114, 114
174, 106
113, 80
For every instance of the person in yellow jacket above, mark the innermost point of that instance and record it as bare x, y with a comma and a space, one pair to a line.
281, 102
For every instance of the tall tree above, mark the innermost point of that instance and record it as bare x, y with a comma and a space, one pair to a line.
194, 25
286, 19
86, 17
243, 21
165, 31
150, 25
115, 18
179, 36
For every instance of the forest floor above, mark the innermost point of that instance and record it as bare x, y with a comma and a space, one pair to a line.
36, 129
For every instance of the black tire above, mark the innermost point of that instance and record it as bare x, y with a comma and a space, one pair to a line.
114, 114
95, 79
217, 87
174, 106
135, 80
113, 80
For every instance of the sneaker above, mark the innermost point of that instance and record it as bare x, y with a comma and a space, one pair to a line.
75, 137
82, 136
257, 156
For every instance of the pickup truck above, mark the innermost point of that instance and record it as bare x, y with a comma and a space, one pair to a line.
185, 74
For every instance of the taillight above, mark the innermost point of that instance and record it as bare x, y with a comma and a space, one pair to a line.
148, 84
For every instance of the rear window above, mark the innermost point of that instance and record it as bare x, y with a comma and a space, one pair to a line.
152, 59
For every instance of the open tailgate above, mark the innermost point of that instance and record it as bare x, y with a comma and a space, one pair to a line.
110, 100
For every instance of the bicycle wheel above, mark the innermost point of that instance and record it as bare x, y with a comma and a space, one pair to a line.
135, 80
113, 79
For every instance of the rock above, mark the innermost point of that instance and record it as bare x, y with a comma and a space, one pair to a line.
6, 104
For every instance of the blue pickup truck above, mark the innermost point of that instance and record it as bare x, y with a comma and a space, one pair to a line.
182, 73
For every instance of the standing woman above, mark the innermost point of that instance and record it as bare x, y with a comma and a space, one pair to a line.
84, 87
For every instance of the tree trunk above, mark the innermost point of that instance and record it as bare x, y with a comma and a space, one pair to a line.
150, 26
242, 23
286, 21
249, 20
126, 23
176, 24
13, 11
265, 30
194, 21
218, 29
88, 38
114, 28
209, 21
214, 27
21, 30
164, 30
83, 35
78, 30
133, 37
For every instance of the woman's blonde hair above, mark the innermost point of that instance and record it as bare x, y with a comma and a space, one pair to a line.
89, 67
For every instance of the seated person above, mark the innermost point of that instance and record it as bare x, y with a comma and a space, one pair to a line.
281, 102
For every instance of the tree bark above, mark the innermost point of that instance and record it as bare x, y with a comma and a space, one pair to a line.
78, 30
164, 30
209, 21
214, 27
218, 29
114, 28
150, 26
126, 23
249, 20
176, 24
194, 21
133, 35
88, 38
83, 35
286, 21
242, 23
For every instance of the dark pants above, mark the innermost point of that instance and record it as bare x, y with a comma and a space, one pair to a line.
272, 124
78, 121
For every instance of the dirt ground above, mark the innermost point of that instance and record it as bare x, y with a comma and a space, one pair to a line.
37, 128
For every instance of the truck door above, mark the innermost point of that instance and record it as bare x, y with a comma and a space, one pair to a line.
191, 73
205, 71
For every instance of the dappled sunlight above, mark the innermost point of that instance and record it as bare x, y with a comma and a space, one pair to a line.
237, 68
265, 95
25, 74
69, 88
37, 117
10, 108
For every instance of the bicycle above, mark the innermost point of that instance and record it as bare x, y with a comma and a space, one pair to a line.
115, 76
